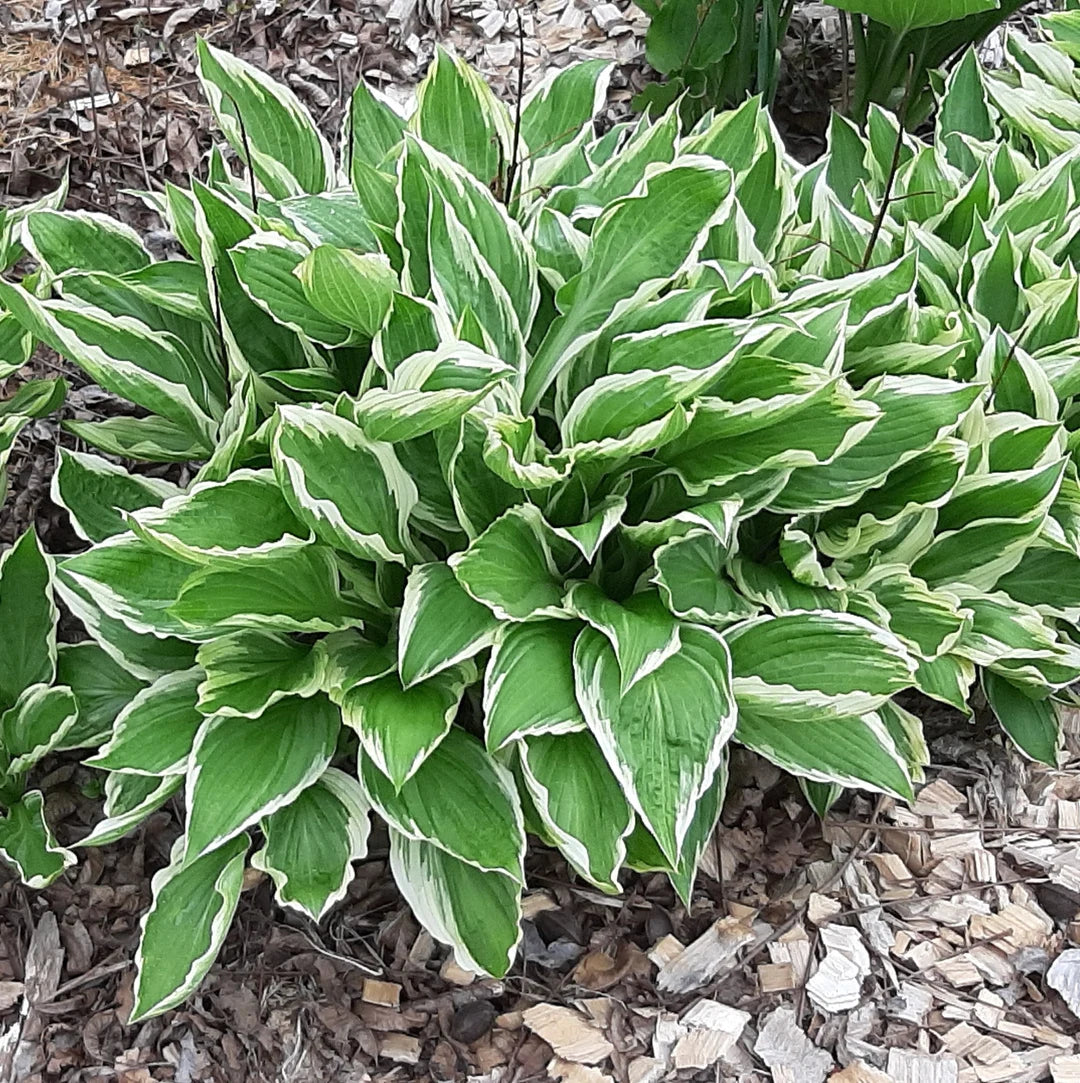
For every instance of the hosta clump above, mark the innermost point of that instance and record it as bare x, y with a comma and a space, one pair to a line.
536, 474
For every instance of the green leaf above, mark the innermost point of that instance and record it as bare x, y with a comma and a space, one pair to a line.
510, 567
690, 576
687, 34
352, 491
182, 932
95, 492
400, 727
460, 800
374, 126
283, 752
811, 666
311, 844
268, 267
637, 244
562, 104
146, 439
83, 241
28, 617
36, 398
1032, 724
440, 624
477, 913
664, 738
529, 682
247, 671
905, 15
580, 803
641, 631
102, 689
351, 289
282, 590
457, 113
27, 842
37, 724
264, 121
155, 732
852, 751
129, 800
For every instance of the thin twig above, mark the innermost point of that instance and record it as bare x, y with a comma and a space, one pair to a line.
80, 19
247, 153
515, 149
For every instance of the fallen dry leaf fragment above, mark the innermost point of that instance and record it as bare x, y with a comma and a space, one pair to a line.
859, 1071
700, 962
1064, 976
784, 1048
712, 1029
908, 1067
568, 1033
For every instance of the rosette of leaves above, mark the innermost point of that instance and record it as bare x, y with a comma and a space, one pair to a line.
536, 472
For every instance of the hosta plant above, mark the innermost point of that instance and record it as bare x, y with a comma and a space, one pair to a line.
538, 468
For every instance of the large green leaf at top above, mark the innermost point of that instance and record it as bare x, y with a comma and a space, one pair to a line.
400, 727
27, 842
247, 671
477, 913
580, 803
283, 590
95, 493
311, 843
1032, 724
182, 932
557, 108
266, 125
460, 800
440, 624
352, 491
637, 244
282, 753
529, 682
664, 738
510, 567
854, 751
457, 113
154, 733
27, 619
811, 665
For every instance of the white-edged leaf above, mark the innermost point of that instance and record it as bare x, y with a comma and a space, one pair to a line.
27, 842
28, 617
39, 722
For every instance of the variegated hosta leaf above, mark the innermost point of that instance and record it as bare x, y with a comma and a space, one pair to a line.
129, 800
440, 624
400, 727
580, 802
643, 854
350, 289
350, 490
182, 932
102, 689
39, 722
27, 842
638, 243
557, 108
95, 493
477, 913
690, 576
283, 752
460, 800
664, 738
27, 619
312, 842
245, 672
510, 567
1030, 722
529, 682
83, 241
155, 732
804, 667
264, 119
245, 514
642, 632
852, 751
